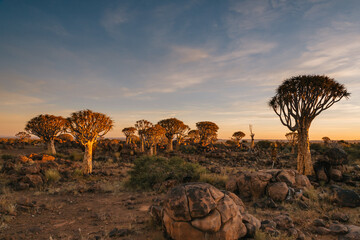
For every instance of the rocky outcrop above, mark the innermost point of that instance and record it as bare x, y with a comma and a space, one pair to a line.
201, 211
274, 183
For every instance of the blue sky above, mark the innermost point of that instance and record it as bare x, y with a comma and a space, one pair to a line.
199, 60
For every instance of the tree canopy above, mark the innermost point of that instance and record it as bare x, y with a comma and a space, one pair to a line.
46, 127
207, 131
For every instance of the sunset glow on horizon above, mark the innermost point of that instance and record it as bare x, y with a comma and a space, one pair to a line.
218, 61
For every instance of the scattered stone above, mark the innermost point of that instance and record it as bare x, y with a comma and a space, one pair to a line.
338, 229
322, 231
119, 232
341, 217
353, 234
34, 180
287, 176
277, 191
319, 223
283, 222
335, 174
345, 198
268, 223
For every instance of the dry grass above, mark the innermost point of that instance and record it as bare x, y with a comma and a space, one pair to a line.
52, 175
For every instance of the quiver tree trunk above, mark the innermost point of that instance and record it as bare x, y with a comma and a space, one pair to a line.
142, 148
51, 147
170, 145
88, 158
252, 145
304, 164
151, 151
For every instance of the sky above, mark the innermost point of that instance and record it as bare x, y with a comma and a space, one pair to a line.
201, 60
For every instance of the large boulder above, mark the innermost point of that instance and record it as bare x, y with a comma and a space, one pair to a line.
336, 156
201, 211
345, 198
353, 234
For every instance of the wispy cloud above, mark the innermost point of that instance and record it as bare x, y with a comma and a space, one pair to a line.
112, 18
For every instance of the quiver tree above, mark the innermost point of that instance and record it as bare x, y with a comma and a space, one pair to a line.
237, 136
87, 127
23, 136
153, 136
252, 135
181, 134
298, 101
207, 132
326, 140
292, 137
129, 132
193, 136
172, 126
142, 126
46, 127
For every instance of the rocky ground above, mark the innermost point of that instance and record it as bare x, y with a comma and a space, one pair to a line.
37, 204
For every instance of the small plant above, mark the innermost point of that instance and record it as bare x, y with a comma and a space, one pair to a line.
76, 156
7, 157
77, 172
217, 180
148, 171
188, 149
52, 175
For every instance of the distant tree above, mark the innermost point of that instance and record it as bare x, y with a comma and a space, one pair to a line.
326, 140
181, 134
128, 132
237, 136
23, 136
207, 131
46, 127
65, 137
142, 126
172, 126
298, 101
252, 135
87, 127
153, 136
193, 136
292, 137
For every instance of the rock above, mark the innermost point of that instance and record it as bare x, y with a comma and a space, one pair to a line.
345, 198
155, 212
47, 158
231, 185
321, 174
268, 223
336, 156
335, 174
302, 181
210, 223
119, 232
319, 223
194, 194
24, 159
287, 176
338, 229
209, 214
237, 201
251, 185
277, 191
32, 169
322, 231
252, 224
34, 180
353, 234
341, 217
283, 222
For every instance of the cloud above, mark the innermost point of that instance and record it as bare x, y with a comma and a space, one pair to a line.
9, 98
187, 54
112, 18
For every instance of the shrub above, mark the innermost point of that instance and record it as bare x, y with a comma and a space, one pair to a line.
217, 180
75, 156
52, 175
188, 149
77, 172
148, 171
6, 157
263, 144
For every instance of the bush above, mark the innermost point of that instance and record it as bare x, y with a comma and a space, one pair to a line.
148, 171
52, 175
263, 144
217, 180
188, 149
6, 157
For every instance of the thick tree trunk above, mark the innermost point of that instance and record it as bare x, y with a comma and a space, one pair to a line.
142, 148
304, 164
87, 168
127, 140
252, 145
151, 151
155, 150
170, 145
51, 147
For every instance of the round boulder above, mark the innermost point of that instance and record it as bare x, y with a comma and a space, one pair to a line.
278, 191
201, 211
